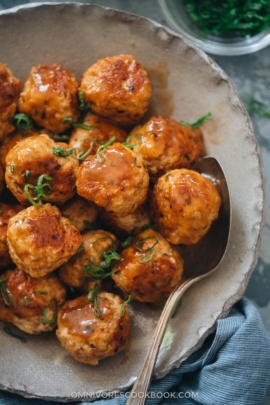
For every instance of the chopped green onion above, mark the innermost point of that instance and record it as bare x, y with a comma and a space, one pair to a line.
38, 190
141, 240
69, 121
11, 168
81, 100
23, 123
143, 259
125, 303
10, 333
25, 301
41, 292
103, 238
61, 138
198, 122
133, 144
102, 148
62, 152
47, 321
80, 249
175, 312
26, 174
127, 242
82, 155
149, 226
256, 107
93, 296
5, 293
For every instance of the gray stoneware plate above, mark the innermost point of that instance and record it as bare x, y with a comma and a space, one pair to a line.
187, 84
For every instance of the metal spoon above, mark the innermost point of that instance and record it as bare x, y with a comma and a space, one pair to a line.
200, 260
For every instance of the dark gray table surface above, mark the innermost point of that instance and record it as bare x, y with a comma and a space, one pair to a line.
251, 74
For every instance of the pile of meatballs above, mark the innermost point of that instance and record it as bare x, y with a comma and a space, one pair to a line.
101, 199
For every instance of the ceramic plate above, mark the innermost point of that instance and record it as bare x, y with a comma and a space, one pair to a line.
187, 84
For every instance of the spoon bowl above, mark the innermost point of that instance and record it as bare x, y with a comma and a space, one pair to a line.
201, 260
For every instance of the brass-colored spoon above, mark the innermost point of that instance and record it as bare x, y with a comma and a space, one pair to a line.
200, 260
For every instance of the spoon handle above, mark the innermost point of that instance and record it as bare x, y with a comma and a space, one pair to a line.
140, 387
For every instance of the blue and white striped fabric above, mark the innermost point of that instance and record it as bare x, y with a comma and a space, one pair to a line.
231, 368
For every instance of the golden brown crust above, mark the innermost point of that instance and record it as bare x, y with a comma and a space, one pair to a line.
184, 205
80, 212
149, 276
9, 95
29, 298
117, 88
102, 130
40, 239
119, 184
88, 338
7, 211
164, 145
35, 154
50, 94
94, 244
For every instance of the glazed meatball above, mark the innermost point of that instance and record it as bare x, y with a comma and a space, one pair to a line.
150, 268
184, 205
12, 139
7, 211
80, 212
40, 240
29, 303
118, 182
9, 95
164, 144
50, 94
89, 338
102, 130
33, 157
117, 88
131, 224
95, 243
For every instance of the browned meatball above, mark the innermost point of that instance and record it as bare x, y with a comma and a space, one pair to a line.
29, 303
80, 212
9, 95
82, 266
89, 338
34, 157
131, 224
49, 95
118, 182
164, 144
102, 130
7, 211
150, 268
12, 139
117, 88
40, 239
184, 205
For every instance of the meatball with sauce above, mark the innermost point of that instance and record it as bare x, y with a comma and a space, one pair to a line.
150, 268
117, 88
50, 94
130, 224
41, 240
7, 211
80, 212
116, 181
184, 205
81, 267
29, 303
9, 95
90, 336
37, 156
164, 144
101, 130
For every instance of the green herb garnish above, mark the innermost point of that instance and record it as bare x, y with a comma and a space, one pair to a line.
25, 301
127, 242
133, 144
47, 321
256, 107
5, 293
246, 18
141, 240
62, 152
26, 174
198, 122
103, 238
102, 148
73, 124
41, 292
149, 226
38, 190
82, 155
93, 296
125, 303
10, 333
11, 168
61, 138
23, 123
104, 269
147, 257
81, 100
80, 249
